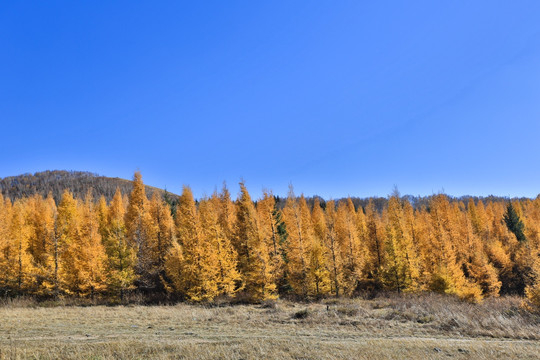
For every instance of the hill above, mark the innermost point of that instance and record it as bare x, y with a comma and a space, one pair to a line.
78, 182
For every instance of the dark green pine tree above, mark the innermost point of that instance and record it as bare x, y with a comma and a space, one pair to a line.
514, 223
171, 201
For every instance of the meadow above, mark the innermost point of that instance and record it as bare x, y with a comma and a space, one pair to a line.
389, 326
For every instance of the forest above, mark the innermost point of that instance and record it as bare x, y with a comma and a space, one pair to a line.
254, 250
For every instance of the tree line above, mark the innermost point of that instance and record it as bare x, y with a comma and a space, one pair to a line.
255, 250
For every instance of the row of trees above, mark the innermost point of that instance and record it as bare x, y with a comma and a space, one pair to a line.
220, 247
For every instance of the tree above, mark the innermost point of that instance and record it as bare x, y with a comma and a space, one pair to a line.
514, 223
5, 243
351, 249
401, 271
476, 262
253, 256
332, 246
375, 246
306, 267
89, 251
533, 290
299, 243
65, 247
270, 220
192, 265
141, 233
16, 264
227, 213
159, 241
79, 251
102, 210
215, 236
448, 275
319, 257
478, 217
40, 217
121, 258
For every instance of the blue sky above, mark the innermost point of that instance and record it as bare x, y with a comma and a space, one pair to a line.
336, 97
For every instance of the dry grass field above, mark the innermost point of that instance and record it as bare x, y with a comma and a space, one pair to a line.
407, 327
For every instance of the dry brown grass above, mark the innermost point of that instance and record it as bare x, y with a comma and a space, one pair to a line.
415, 327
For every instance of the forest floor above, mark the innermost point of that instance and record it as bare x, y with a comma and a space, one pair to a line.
394, 327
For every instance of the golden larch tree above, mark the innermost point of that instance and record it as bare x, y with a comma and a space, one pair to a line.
141, 235
89, 251
227, 213
351, 249
253, 254
532, 291
193, 270
332, 246
16, 262
215, 237
160, 240
41, 217
269, 223
449, 276
305, 266
102, 210
320, 258
5, 243
402, 268
121, 258
374, 238
65, 247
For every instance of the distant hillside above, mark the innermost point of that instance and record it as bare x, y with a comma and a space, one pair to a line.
78, 182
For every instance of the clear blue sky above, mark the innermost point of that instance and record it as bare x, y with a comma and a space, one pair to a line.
337, 97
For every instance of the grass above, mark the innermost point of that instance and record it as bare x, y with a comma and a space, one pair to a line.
393, 327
